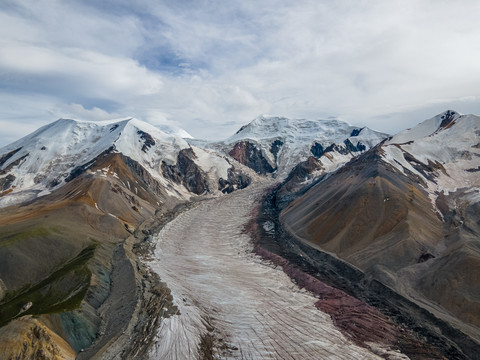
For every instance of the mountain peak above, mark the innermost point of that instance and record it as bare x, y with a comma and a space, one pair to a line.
42, 160
429, 127
449, 113
270, 127
443, 151
282, 142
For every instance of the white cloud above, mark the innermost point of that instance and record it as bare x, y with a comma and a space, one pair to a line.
77, 111
83, 72
211, 66
21, 114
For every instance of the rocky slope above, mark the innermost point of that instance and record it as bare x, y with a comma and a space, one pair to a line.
60, 252
406, 214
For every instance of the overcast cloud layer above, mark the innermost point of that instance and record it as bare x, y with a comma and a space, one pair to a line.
212, 66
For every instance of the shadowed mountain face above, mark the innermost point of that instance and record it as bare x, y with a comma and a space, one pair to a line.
391, 213
250, 155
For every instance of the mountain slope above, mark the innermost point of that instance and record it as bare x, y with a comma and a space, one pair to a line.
406, 213
81, 201
58, 253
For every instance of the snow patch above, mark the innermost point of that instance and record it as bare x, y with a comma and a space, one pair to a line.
211, 163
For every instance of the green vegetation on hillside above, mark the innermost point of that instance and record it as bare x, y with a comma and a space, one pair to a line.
62, 290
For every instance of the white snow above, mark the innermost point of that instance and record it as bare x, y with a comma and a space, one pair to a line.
456, 149
174, 130
15, 198
394, 156
43, 193
424, 129
472, 195
211, 163
303, 132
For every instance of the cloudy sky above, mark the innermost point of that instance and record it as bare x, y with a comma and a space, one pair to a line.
210, 66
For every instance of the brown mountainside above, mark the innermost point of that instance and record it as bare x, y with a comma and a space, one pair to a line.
383, 222
59, 254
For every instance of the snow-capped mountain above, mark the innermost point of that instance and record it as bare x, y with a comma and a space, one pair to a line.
400, 214
443, 152
47, 158
271, 144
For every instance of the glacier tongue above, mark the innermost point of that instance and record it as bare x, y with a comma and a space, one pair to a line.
251, 309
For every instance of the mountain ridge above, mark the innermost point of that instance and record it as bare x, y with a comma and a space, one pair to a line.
49, 157
384, 204
404, 212
274, 145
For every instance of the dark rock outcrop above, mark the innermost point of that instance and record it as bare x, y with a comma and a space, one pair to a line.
5, 157
82, 168
354, 148
318, 150
6, 182
303, 170
147, 178
349, 147
275, 148
356, 132
249, 154
295, 181
473, 169
429, 170
241, 129
148, 141
186, 172
234, 182
448, 118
